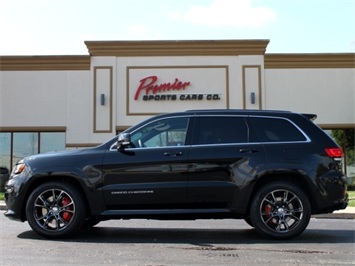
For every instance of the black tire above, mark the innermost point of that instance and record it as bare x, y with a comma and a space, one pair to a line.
89, 223
55, 210
280, 211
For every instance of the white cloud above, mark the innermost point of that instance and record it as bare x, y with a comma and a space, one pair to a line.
234, 13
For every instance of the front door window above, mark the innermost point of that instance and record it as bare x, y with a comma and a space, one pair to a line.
161, 133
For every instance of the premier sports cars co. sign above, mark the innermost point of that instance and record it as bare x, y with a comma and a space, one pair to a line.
152, 88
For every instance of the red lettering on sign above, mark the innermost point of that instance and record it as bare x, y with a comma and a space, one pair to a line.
149, 85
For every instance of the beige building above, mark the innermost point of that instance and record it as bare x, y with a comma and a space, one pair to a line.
54, 102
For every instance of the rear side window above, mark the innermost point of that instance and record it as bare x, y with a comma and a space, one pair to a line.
221, 130
276, 130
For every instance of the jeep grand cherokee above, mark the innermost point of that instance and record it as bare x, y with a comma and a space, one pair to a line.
274, 169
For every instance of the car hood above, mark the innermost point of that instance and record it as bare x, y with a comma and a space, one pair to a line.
54, 158
55, 153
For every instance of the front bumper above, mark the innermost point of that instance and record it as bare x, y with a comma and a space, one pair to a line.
12, 215
15, 200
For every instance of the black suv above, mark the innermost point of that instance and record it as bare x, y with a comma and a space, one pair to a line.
272, 168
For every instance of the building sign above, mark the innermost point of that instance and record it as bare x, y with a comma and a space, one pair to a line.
151, 90
166, 89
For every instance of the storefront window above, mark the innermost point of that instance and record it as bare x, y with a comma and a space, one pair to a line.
5, 150
16, 145
53, 141
24, 144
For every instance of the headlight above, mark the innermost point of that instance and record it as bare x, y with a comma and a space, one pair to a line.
18, 169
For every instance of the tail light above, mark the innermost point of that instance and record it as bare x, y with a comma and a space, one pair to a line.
334, 152
337, 154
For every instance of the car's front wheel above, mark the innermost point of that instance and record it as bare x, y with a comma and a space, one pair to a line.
55, 209
280, 210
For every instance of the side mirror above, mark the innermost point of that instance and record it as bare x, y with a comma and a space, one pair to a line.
123, 141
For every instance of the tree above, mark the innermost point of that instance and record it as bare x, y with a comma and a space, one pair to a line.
345, 139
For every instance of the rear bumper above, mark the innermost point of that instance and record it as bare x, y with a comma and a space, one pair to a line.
341, 205
332, 192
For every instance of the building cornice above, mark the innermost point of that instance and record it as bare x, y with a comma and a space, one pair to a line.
340, 60
68, 62
177, 48
33, 129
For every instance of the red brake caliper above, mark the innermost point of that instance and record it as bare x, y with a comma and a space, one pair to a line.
66, 215
268, 210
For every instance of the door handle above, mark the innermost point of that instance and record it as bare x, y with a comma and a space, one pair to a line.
173, 153
247, 150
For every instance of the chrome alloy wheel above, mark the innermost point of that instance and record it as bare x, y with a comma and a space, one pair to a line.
281, 210
54, 210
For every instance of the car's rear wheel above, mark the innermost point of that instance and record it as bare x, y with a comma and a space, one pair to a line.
280, 210
55, 209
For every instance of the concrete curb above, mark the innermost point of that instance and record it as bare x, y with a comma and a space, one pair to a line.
348, 213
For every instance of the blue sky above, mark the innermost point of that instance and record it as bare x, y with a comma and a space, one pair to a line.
60, 27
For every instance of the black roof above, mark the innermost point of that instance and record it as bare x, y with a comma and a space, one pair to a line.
241, 111
250, 112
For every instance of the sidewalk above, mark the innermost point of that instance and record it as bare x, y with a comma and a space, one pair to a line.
348, 213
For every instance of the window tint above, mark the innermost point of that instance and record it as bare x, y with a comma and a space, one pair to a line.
218, 129
161, 133
276, 130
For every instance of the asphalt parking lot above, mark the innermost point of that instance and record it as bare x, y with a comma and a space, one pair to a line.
202, 242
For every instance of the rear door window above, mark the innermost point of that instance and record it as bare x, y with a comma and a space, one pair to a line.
276, 130
221, 130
